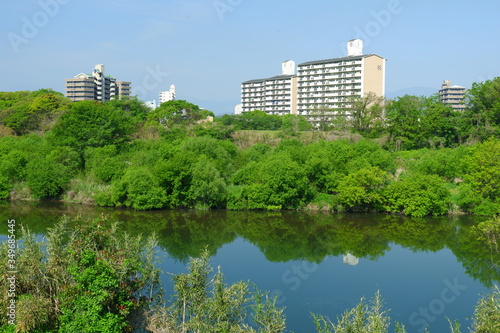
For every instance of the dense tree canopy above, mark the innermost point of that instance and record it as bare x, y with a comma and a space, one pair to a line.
412, 155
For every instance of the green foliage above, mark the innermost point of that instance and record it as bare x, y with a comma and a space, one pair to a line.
417, 195
417, 122
131, 107
488, 232
86, 279
104, 163
5, 187
208, 189
92, 124
177, 112
328, 162
206, 304
480, 191
365, 114
447, 163
139, 189
46, 178
283, 184
214, 130
362, 188
482, 116
253, 120
26, 112
360, 319
294, 124
486, 314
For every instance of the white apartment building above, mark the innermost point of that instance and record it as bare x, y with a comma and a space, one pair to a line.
318, 85
329, 84
168, 95
275, 95
96, 86
453, 96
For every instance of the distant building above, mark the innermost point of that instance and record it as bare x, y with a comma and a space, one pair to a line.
275, 95
96, 86
151, 104
168, 95
322, 84
331, 83
453, 96
238, 109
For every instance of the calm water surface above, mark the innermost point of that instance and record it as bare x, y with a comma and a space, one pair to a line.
426, 269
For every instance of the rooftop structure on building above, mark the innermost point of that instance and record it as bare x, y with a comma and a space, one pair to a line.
96, 86
168, 95
318, 85
453, 96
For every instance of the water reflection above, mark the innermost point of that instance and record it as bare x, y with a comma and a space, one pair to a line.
284, 236
350, 259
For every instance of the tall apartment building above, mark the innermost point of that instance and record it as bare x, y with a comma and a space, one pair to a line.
453, 96
275, 95
329, 84
96, 86
322, 84
168, 95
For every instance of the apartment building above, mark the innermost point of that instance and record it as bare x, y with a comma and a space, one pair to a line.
318, 85
453, 96
168, 95
329, 84
96, 86
275, 95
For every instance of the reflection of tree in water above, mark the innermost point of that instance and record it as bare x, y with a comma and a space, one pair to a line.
191, 232
283, 236
477, 257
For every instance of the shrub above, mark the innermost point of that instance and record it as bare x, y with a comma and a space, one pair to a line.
206, 304
139, 189
46, 178
417, 195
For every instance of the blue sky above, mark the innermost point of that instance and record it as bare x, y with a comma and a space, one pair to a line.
208, 47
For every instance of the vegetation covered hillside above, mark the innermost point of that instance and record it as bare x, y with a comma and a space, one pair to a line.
412, 155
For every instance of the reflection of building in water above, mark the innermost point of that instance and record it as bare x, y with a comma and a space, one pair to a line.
350, 259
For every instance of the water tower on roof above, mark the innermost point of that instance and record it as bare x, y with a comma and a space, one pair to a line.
354, 47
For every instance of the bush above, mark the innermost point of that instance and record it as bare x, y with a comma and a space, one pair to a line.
206, 304
46, 178
84, 279
417, 195
362, 189
139, 189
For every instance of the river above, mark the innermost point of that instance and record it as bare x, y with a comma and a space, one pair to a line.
426, 269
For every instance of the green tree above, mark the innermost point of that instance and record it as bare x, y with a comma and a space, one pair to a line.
139, 189
482, 115
282, 184
92, 124
177, 112
365, 114
35, 111
417, 195
362, 189
131, 106
253, 120
403, 121
46, 178
208, 189
294, 124
480, 190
